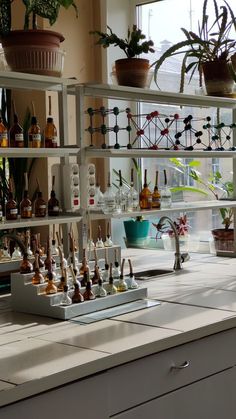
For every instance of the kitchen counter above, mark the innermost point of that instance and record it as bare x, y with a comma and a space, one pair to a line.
39, 353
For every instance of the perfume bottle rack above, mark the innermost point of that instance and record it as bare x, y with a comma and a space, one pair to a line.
29, 298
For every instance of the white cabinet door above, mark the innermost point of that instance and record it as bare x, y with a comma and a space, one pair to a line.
82, 399
210, 398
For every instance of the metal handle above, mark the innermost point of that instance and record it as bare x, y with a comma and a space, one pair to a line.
181, 366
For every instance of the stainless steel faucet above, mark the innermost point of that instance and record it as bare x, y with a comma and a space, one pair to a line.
178, 257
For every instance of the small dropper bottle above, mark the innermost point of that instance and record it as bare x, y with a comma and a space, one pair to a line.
38, 277
109, 198
3, 134
105, 274
16, 131
111, 288
26, 204
34, 133
132, 196
165, 194
11, 205
50, 132
145, 197
53, 203
40, 206
122, 286
156, 196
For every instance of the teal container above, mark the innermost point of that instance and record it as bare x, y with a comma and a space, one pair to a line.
136, 230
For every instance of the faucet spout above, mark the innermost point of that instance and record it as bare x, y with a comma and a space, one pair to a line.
178, 256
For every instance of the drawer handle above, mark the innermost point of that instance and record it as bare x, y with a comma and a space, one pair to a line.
181, 366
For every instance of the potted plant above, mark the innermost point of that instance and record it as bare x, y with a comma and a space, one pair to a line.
223, 237
33, 50
209, 51
130, 71
167, 234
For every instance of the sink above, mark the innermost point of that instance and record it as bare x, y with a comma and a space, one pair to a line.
151, 273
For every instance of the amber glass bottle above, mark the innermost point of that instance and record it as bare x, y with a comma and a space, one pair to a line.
77, 297
38, 277
40, 206
16, 132
26, 204
50, 132
156, 196
145, 196
26, 266
88, 293
53, 203
11, 208
3, 135
34, 134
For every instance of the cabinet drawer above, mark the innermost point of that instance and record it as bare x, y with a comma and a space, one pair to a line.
154, 375
210, 398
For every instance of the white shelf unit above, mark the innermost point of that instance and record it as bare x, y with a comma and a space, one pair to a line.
138, 95
37, 222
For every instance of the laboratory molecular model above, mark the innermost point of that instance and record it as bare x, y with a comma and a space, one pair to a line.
157, 131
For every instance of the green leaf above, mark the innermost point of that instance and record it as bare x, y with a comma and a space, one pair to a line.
188, 189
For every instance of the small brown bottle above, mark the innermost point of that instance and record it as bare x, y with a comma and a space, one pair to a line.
77, 297
50, 132
84, 265
145, 196
26, 266
88, 293
40, 206
156, 196
53, 203
11, 208
26, 204
16, 132
34, 132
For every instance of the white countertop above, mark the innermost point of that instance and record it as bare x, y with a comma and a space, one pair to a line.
39, 353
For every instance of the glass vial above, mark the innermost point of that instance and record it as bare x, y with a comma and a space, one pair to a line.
109, 198
53, 203
16, 133
165, 194
120, 196
132, 196
156, 196
3, 135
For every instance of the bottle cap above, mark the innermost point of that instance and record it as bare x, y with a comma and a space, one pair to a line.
50, 120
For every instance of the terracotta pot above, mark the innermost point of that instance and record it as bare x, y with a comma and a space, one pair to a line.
218, 78
132, 71
34, 51
223, 239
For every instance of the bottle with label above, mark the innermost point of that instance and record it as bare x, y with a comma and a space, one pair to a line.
156, 196
165, 194
40, 206
98, 198
132, 196
109, 198
34, 133
3, 135
16, 133
53, 203
26, 204
145, 196
11, 205
120, 196
50, 131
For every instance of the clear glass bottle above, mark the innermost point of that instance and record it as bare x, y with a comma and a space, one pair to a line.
40, 206
130, 281
11, 208
26, 204
62, 283
122, 286
99, 199
120, 196
132, 196
3, 135
65, 299
100, 290
156, 196
109, 198
165, 194
145, 196
16, 133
